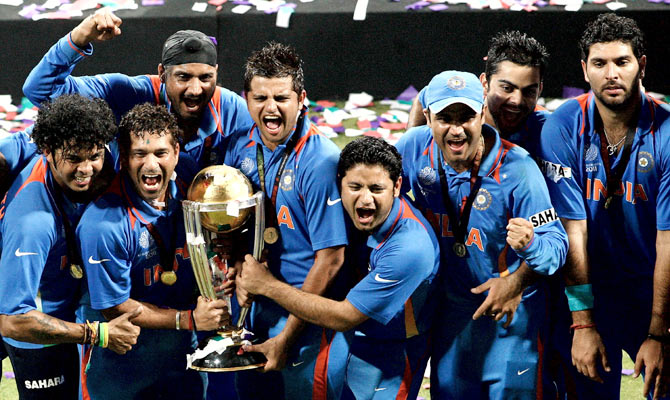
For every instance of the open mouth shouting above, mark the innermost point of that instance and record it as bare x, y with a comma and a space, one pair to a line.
151, 183
365, 215
272, 124
457, 145
193, 105
82, 181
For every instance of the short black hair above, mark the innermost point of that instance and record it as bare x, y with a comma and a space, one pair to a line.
147, 119
610, 27
73, 122
518, 48
275, 60
370, 151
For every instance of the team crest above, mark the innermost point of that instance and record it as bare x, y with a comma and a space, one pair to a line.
591, 153
456, 83
286, 182
645, 162
482, 200
427, 176
247, 166
144, 240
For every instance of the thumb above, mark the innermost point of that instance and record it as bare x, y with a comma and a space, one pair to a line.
638, 366
603, 359
249, 348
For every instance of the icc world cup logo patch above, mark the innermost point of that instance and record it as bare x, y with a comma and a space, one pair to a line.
286, 181
247, 166
427, 176
144, 240
482, 200
456, 83
644, 162
591, 153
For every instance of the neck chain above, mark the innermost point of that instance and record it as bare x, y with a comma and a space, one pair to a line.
612, 148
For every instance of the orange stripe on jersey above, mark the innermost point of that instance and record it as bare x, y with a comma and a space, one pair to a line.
301, 143
397, 217
410, 321
403, 391
74, 47
583, 101
539, 108
156, 84
214, 107
430, 151
82, 372
38, 174
408, 213
320, 388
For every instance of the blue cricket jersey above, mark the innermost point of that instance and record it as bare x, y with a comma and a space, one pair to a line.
512, 187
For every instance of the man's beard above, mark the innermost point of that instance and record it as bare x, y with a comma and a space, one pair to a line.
628, 100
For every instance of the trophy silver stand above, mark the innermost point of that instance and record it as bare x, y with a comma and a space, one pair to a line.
221, 352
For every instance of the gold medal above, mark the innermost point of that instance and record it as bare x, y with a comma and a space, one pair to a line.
168, 278
271, 235
76, 271
459, 249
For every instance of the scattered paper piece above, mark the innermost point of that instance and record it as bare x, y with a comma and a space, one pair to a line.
148, 3
284, 17
199, 7
241, 9
615, 5
408, 94
349, 132
11, 2
361, 10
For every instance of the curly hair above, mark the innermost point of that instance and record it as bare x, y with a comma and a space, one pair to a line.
147, 119
518, 48
73, 122
275, 60
370, 151
610, 27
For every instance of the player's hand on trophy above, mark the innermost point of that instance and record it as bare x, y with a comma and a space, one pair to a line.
519, 233
275, 351
588, 353
502, 300
102, 25
122, 332
254, 276
210, 315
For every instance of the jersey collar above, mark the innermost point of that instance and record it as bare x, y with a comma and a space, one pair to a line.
645, 121
143, 210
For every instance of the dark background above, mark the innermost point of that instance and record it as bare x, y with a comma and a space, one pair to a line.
382, 55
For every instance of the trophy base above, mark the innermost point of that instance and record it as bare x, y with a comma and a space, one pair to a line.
227, 360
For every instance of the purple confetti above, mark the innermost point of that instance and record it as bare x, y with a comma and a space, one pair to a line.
541, 3
317, 108
570, 92
213, 39
627, 372
8, 375
152, 2
339, 129
438, 7
242, 2
408, 94
418, 5
374, 124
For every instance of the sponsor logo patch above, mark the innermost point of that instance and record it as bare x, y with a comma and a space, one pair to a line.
555, 172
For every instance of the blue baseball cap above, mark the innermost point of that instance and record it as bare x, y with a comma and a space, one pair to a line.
450, 87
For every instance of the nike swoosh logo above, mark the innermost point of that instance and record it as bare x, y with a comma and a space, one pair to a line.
19, 253
522, 372
382, 280
92, 261
333, 202
295, 364
379, 389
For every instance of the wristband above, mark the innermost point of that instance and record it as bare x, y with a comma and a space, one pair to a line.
177, 320
665, 339
574, 327
580, 297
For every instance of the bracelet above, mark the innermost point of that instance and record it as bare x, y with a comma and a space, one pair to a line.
574, 327
665, 339
93, 329
104, 326
580, 297
178, 320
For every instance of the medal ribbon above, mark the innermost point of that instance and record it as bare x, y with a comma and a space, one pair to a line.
460, 223
614, 176
73, 255
166, 254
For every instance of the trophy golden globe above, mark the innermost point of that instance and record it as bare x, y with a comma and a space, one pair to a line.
221, 200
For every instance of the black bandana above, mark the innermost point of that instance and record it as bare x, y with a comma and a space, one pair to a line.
185, 47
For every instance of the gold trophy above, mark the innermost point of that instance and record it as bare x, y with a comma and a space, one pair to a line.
221, 200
